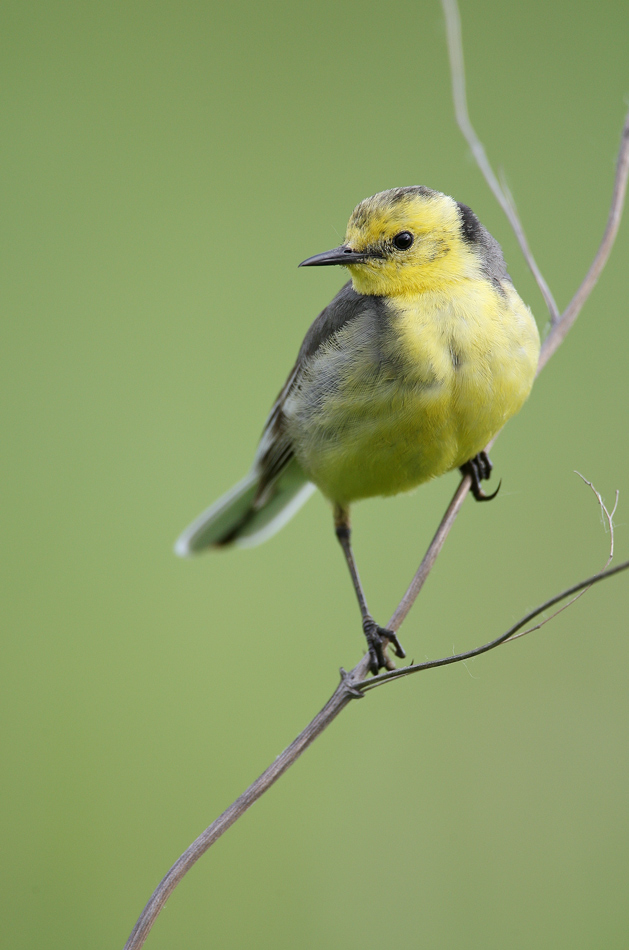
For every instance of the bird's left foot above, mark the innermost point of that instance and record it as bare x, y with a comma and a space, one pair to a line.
479, 469
377, 640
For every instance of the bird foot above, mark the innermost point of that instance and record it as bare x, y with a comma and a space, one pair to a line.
479, 469
378, 639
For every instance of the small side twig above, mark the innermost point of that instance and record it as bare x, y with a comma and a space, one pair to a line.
607, 515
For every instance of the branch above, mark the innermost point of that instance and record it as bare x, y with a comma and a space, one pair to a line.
503, 638
354, 684
558, 333
424, 569
502, 194
344, 692
515, 632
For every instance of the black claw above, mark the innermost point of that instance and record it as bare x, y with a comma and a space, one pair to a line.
479, 469
483, 496
397, 646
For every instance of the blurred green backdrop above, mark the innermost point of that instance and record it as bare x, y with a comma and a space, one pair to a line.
167, 165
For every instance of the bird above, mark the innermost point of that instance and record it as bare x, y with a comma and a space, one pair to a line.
410, 371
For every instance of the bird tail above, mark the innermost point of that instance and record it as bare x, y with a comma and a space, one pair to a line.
245, 518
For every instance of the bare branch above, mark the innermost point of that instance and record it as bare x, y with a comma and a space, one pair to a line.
503, 197
353, 685
503, 638
558, 333
431, 554
513, 633
343, 694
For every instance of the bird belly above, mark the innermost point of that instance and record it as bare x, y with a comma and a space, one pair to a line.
405, 438
378, 418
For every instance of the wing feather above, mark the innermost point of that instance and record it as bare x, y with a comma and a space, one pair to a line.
275, 450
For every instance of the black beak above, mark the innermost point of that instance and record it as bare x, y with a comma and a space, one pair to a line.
339, 255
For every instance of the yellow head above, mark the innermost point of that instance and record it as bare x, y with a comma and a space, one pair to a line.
410, 240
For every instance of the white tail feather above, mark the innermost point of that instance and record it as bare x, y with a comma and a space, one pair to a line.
236, 507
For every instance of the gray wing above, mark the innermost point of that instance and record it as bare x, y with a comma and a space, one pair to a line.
275, 450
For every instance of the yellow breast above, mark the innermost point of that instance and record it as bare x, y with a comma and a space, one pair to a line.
386, 405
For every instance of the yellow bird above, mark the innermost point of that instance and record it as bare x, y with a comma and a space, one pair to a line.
409, 372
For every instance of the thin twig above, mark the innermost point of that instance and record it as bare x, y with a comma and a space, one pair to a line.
504, 198
353, 684
512, 634
503, 638
558, 333
430, 557
607, 515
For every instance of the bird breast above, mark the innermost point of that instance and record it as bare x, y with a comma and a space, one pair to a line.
410, 391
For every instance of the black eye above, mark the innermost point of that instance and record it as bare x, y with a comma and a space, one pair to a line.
403, 240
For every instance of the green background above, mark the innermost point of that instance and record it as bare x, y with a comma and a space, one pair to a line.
167, 165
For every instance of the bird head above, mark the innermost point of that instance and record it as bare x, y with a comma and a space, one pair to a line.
407, 240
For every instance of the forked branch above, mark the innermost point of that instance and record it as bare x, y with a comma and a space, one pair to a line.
516, 631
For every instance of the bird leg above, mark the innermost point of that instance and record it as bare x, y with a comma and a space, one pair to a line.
377, 637
479, 469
